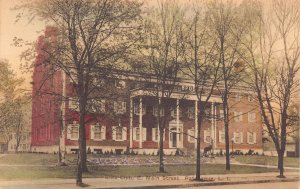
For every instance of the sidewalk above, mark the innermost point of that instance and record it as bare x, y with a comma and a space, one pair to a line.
151, 182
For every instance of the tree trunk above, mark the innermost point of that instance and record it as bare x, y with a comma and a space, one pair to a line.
227, 147
79, 170
198, 160
280, 164
161, 150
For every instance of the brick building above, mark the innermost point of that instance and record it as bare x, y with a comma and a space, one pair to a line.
129, 121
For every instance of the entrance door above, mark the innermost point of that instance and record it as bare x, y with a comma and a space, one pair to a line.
173, 137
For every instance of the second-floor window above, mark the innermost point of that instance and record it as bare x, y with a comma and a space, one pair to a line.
251, 117
238, 116
96, 106
155, 111
174, 112
136, 109
120, 107
191, 112
73, 103
120, 84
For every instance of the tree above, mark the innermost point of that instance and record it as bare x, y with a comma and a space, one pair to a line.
162, 53
11, 115
226, 27
202, 67
97, 34
273, 61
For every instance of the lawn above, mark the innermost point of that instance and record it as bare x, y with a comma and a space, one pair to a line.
37, 166
268, 160
39, 172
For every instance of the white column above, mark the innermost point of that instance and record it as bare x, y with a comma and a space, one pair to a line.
196, 122
63, 114
215, 127
177, 124
131, 123
159, 102
141, 122
212, 123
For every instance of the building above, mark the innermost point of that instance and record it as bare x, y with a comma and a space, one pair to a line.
129, 121
24, 142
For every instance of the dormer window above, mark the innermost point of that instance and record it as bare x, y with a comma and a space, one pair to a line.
120, 84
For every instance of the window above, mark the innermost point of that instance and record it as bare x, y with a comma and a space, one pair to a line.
238, 97
137, 133
120, 107
221, 136
155, 134
155, 111
120, 84
250, 98
238, 137
238, 116
251, 137
136, 109
174, 112
119, 133
207, 136
98, 82
191, 112
221, 114
73, 131
98, 132
191, 135
251, 117
73, 103
96, 106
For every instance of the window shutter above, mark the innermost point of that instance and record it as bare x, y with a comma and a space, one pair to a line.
235, 137
254, 137
124, 133
241, 137
236, 118
189, 133
92, 132
144, 134
103, 133
220, 137
123, 107
134, 133
114, 133
248, 137
240, 116
102, 106
69, 131
173, 112
153, 134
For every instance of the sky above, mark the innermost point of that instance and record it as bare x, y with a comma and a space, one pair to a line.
27, 31
10, 29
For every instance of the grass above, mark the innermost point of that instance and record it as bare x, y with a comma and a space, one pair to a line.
268, 160
38, 166
39, 172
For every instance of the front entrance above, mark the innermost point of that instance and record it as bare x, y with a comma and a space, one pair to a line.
173, 137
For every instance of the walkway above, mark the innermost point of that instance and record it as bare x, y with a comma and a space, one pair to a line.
151, 182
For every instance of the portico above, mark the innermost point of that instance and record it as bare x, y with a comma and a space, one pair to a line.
177, 132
